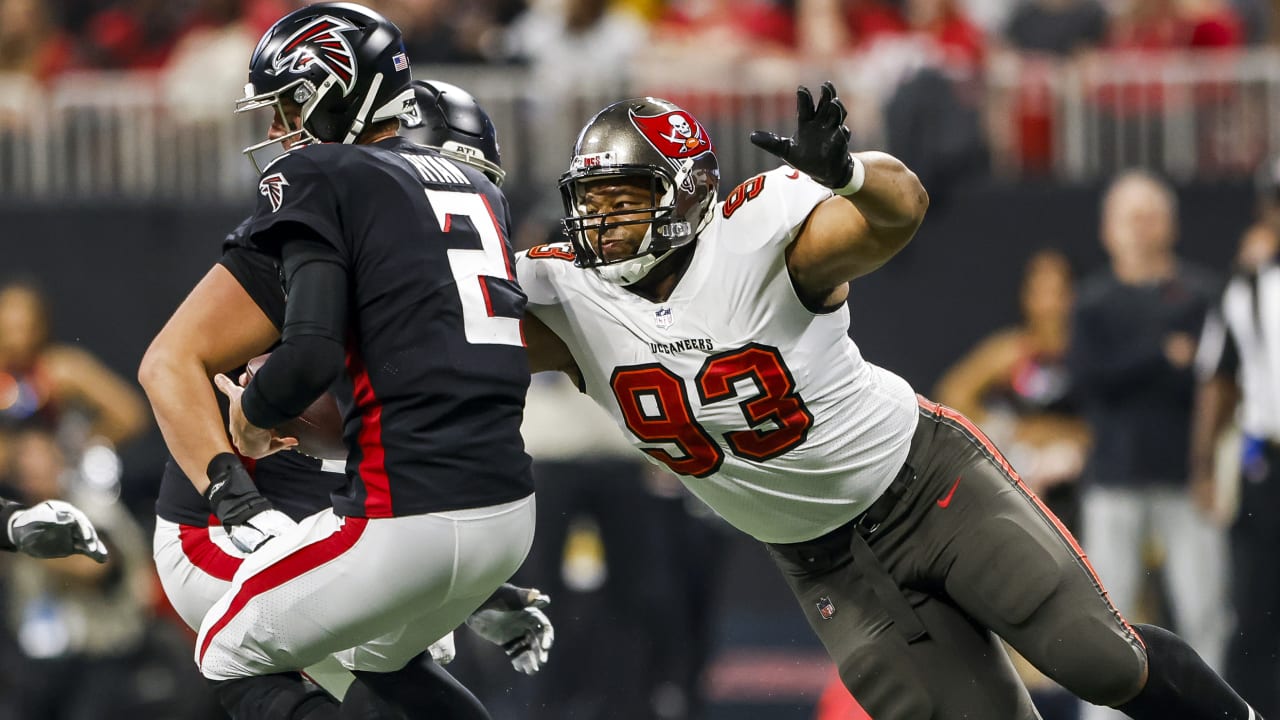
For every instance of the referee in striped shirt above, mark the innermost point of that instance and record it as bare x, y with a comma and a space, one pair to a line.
1238, 364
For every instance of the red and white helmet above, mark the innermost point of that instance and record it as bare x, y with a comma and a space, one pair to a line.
654, 140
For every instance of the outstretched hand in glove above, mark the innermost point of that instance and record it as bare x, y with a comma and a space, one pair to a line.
54, 529
512, 618
820, 146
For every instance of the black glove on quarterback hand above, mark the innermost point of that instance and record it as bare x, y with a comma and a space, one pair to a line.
231, 493
820, 147
249, 518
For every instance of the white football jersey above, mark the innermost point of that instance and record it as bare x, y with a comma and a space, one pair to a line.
766, 410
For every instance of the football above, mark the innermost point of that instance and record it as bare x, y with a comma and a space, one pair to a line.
319, 427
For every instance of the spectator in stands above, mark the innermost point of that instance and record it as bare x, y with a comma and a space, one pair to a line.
1132, 346
1057, 27
77, 624
577, 52
30, 42
1176, 24
212, 49
742, 27
1015, 385
441, 31
41, 381
1237, 369
133, 34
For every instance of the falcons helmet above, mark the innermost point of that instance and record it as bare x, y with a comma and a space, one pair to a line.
449, 119
341, 62
656, 141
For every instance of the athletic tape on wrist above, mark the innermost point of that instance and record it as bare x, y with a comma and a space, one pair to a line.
855, 181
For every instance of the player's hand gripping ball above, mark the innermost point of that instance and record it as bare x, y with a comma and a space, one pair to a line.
319, 427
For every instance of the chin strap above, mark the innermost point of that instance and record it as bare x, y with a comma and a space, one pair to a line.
629, 272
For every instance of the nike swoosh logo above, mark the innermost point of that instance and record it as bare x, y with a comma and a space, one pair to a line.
945, 502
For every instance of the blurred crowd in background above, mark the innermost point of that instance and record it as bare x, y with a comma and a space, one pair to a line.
660, 610
49, 38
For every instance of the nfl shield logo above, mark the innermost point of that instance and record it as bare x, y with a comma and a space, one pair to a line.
825, 608
663, 318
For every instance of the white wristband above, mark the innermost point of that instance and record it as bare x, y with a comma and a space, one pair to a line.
855, 181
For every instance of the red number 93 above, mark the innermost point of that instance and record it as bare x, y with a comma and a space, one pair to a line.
656, 408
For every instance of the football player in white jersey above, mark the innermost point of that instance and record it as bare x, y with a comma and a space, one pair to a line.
716, 334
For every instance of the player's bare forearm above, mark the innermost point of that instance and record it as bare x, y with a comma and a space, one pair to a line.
217, 328
547, 352
1215, 403
846, 238
892, 200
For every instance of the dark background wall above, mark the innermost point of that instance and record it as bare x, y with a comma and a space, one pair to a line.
114, 273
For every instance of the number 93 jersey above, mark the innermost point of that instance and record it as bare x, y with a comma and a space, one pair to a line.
765, 409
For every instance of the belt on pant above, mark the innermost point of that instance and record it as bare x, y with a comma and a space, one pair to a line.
853, 535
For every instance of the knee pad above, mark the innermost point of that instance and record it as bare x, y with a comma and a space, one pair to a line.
1088, 657
995, 552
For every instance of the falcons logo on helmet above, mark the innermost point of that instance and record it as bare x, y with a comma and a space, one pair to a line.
272, 188
319, 41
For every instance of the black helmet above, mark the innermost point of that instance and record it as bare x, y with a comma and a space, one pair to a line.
342, 62
657, 141
449, 119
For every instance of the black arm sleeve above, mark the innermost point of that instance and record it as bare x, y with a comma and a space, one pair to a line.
312, 347
7, 509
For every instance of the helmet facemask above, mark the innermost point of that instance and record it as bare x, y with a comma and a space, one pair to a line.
301, 92
667, 229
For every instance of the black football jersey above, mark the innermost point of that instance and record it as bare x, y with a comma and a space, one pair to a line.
435, 356
293, 483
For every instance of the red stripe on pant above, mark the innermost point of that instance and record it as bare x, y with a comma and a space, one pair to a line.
981, 437
202, 552
301, 561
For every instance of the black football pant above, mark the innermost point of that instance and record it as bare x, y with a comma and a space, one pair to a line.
1253, 655
909, 598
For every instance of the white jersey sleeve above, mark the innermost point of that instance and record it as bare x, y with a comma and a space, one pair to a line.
774, 205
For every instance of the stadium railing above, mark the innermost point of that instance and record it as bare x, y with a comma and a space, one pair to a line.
1199, 115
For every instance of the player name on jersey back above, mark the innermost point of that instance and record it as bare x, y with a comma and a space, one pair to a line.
436, 170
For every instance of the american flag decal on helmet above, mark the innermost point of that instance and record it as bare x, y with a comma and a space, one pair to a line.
400, 62
319, 41
272, 188
825, 608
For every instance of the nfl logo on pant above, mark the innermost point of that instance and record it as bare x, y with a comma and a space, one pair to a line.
825, 608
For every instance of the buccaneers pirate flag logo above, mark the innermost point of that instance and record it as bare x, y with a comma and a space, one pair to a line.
675, 134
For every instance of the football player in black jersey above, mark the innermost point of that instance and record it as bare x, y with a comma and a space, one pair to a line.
330, 65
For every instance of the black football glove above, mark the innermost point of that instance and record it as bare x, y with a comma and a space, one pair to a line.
51, 529
820, 147
249, 519
512, 618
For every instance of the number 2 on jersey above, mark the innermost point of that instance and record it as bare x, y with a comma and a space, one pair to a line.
656, 408
471, 266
